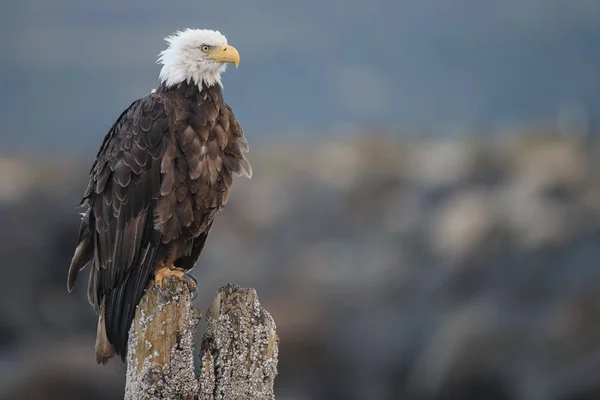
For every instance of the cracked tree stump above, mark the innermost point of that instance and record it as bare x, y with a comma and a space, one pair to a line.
237, 356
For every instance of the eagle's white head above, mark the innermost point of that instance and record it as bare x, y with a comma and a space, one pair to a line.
198, 55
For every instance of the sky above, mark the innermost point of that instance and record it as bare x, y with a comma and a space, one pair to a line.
309, 70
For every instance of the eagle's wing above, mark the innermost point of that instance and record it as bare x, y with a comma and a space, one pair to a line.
117, 233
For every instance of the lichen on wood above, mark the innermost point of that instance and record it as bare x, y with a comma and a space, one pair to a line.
239, 349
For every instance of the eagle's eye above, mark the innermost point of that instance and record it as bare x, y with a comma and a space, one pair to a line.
205, 48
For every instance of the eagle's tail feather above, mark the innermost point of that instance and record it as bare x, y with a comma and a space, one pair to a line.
122, 301
83, 253
104, 350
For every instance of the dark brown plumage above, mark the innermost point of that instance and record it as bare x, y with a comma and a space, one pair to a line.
161, 176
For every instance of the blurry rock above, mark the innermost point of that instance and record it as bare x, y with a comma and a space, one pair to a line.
553, 164
463, 225
590, 203
265, 201
16, 179
533, 219
337, 164
439, 163
449, 348
373, 200
476, 385
63, 372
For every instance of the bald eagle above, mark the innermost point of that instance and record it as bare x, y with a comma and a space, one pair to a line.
160, 178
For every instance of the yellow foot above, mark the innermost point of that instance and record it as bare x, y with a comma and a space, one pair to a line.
162, 272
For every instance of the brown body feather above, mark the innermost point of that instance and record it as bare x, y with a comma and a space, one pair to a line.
161, 176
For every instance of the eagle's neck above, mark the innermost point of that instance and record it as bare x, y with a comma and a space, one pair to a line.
189, 90
175, 72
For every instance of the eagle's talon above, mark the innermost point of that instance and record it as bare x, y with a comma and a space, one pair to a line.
192, 278
192, 283
162, 273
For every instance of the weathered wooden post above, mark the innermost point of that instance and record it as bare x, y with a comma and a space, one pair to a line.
238, 354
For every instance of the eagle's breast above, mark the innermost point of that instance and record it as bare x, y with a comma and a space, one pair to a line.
204, 149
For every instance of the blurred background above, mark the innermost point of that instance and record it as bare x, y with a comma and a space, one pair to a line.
423, 220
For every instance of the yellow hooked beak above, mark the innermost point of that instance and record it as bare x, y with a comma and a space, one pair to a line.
225, 54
